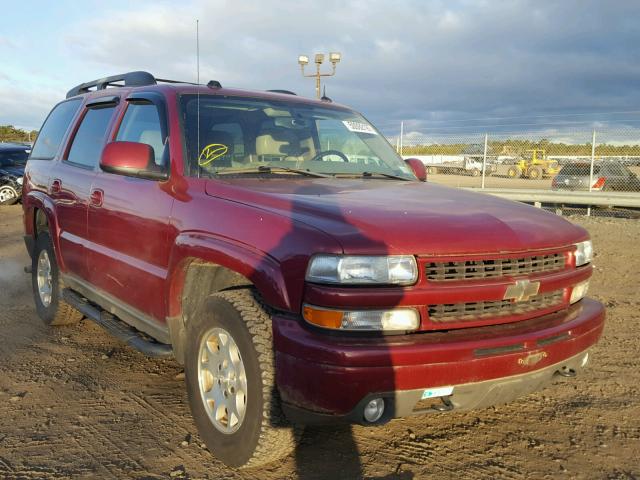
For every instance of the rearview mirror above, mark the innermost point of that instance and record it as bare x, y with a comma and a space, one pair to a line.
418, 168
131, 159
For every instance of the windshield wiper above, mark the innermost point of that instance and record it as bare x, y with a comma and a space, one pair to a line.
370, 175
270, 169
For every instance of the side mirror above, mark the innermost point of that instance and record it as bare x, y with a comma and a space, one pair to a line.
418, 168
131, 159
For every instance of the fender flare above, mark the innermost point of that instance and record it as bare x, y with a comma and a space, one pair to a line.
260, 268
36, 200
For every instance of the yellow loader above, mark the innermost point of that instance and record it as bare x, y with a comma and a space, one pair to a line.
534, 165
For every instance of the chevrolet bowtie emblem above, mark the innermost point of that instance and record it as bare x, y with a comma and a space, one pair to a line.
521, 291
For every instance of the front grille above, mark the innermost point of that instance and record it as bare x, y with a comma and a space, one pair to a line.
497, 267
467, 312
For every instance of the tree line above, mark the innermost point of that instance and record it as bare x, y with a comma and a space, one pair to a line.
518, 147
9, 133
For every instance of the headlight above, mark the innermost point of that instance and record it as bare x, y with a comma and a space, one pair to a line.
584, 253
579, 291
363, 270
19, 180
396, 319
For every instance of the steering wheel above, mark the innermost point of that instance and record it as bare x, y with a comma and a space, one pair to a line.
319, 155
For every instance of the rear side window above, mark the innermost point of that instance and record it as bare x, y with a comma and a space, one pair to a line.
141, 123
89, 140
616, 170
53, 130
579, 170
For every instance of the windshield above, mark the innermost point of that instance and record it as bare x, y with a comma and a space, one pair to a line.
231, 135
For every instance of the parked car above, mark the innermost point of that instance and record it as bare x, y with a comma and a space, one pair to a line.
13, 158
606, 176
297, 286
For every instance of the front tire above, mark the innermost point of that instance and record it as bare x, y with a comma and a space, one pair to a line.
230, 377
47, 287
514, 172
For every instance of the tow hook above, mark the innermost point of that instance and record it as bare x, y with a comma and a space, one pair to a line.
566, 372
446, 405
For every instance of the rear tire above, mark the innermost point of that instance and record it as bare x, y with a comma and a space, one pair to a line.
534, 173
47, 287
249, 429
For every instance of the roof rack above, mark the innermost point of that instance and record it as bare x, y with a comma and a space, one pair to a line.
286, 92
130, 79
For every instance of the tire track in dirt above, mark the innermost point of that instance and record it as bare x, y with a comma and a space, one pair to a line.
75, 403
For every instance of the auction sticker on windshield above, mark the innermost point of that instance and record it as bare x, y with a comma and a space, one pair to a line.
359, 127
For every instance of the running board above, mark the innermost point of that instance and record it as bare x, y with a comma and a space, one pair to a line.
117, 327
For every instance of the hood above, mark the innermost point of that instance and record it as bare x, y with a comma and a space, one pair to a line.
386, 216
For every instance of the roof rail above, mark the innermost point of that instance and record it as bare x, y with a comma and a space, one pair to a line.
286, 92
130, 79
166, 80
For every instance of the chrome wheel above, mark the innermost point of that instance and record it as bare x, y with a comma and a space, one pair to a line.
44, 278
222, 380
7, 193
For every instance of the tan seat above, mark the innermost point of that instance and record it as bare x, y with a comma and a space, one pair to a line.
282, 142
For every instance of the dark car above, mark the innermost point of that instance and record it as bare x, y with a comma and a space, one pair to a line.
13, 158
606, 176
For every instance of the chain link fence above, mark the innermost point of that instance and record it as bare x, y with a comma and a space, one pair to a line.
563, 171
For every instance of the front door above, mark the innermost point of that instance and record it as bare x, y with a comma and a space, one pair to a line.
129, 219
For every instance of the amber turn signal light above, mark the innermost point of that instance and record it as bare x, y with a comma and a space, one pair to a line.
322, 317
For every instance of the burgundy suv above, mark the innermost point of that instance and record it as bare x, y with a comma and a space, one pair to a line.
303, 273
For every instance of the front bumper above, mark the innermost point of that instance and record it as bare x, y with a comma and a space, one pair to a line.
325, 378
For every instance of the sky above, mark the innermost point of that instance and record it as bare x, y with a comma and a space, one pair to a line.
449, 67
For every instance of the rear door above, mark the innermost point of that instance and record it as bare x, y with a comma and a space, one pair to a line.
129, 217
71, 180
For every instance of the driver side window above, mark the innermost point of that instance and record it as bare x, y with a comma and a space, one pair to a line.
141, 123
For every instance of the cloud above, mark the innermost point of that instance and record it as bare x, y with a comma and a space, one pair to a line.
427, 62
25, 108
6, 42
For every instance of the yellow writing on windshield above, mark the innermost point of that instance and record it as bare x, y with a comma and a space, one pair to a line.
211, 152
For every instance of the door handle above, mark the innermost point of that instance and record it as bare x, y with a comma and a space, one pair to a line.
96, 198
56, 186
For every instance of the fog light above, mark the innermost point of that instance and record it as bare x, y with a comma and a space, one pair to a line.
374, 410
579, 291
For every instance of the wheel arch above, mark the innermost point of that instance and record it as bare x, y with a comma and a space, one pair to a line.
39, 216
201, 264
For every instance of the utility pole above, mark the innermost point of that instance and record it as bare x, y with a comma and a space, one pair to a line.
334, 58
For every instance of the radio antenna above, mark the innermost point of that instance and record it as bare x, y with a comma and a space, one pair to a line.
198, 93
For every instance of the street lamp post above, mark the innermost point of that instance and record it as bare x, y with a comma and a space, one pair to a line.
334, 58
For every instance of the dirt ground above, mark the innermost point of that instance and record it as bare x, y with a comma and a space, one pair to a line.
76, 403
